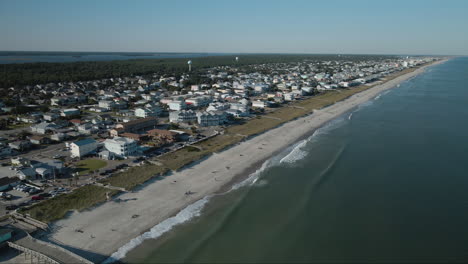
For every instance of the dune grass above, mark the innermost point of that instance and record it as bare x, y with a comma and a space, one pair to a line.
57, 207
135, 176
178, 159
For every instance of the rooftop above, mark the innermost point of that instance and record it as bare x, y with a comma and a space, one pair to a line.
84, 142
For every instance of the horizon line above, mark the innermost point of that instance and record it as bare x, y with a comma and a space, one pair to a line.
246, 53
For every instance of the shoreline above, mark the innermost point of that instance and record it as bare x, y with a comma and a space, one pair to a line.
113, 224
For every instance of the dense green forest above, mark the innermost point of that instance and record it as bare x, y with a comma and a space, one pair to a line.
43, 72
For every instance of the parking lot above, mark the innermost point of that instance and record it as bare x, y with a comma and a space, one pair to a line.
26, 194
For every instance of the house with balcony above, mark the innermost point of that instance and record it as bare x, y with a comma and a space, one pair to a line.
211, 118
121, 147
183, 116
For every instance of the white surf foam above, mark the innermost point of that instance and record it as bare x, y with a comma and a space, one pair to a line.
188, 213
332, 125
252, 179
297, 153
158, 230
260, 183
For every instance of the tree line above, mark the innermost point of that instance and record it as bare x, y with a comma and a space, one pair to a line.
17, 75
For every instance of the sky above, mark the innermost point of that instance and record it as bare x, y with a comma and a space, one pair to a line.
241, 26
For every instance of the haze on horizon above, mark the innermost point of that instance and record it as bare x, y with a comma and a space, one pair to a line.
346, 27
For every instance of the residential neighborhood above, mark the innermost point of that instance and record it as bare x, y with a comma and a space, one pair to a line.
70, 134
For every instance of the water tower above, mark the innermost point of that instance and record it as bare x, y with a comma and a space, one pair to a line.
189, 65
237, 59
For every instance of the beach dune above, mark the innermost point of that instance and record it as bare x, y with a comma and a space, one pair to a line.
111, 225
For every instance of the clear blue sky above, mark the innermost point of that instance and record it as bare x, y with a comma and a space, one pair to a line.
286, 26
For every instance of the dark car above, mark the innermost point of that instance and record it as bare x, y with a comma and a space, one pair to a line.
45, 195
11, 207
34, 191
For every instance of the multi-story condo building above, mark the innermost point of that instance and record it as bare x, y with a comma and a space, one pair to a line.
211, 118
121, 146
183, 116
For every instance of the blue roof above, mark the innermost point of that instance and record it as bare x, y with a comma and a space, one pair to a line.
84, 142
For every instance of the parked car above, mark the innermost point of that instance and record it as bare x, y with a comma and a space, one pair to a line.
37, 198
45, 195
6, 196
34, 191
11, 207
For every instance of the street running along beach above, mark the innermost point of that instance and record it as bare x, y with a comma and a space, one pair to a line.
112, 229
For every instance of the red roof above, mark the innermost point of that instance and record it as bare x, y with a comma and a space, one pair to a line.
75, 121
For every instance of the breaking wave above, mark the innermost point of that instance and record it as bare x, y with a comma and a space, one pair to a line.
158, 230
253, 178
187, 214
384, 93
297, 153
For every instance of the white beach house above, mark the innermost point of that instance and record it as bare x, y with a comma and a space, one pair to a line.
83, 147
121, 147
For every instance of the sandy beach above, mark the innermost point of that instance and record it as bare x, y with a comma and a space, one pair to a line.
112, 225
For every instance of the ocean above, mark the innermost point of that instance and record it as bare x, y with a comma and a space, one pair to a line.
387, 182
9, 57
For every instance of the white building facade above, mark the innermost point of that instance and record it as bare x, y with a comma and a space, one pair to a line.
121, 147
83, 147
184, 116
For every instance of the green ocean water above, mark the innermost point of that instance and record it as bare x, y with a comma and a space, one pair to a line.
385, 183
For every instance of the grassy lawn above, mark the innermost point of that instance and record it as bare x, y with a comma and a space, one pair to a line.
86, 166
22, 125
57, 207
134, 176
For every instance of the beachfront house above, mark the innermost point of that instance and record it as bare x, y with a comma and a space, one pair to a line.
83, 147
184, 116
121, 147
211, 118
